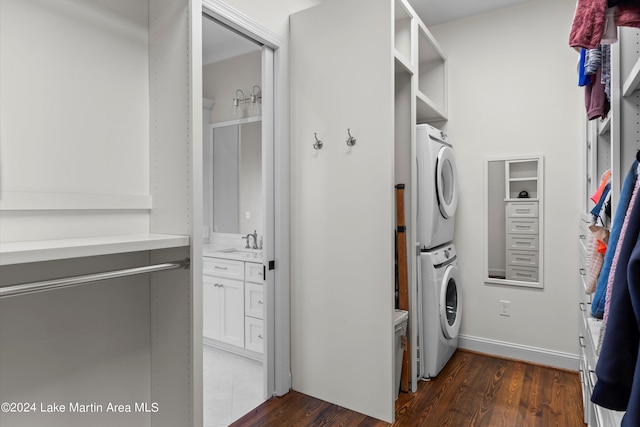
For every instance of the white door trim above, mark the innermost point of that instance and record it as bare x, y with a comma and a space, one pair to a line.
274, 121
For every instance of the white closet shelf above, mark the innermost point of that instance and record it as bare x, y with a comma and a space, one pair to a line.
633, 80
428, 111
604, 126
50, 250
402, 63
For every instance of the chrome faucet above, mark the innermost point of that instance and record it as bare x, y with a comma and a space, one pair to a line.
255, 240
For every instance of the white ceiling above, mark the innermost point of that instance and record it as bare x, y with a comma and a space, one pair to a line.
221, 43
433, 12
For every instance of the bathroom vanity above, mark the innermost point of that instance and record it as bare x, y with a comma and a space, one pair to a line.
233, 300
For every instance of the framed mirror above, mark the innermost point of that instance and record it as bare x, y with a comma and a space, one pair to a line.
233, 177
513, 220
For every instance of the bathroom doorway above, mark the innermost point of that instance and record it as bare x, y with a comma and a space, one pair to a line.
239, 209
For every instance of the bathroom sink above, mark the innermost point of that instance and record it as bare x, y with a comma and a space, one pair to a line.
243, 253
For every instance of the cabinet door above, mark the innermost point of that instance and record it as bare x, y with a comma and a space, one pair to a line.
232, 311
211, 293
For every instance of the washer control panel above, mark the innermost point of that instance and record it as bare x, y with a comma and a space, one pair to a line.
443, 254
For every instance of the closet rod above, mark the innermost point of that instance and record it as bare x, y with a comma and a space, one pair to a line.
27, 288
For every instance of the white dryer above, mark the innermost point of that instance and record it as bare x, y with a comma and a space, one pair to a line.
437, 187
439, 310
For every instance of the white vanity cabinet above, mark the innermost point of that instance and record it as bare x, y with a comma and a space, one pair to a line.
233, 304
223, 295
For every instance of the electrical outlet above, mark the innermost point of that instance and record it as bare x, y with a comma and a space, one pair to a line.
505, 308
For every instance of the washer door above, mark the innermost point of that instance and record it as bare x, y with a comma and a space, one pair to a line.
446, 186
450, 304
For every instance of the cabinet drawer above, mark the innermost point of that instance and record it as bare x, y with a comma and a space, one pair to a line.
253, 272
524, 274
253, 300
527, 242
522, 209
253, 334
523, 258
522, 225
221, 267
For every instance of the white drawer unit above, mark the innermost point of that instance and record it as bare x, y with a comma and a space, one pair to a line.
594, 415
522, 225
522, 209
221, 267
522, 242
523, 274
523, 258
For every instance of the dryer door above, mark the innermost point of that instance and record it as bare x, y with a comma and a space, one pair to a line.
446, 185
450, 303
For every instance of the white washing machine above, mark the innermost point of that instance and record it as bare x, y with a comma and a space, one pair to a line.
437, 187
440, 308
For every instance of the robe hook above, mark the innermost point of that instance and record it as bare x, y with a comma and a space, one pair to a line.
318, 144
351, 141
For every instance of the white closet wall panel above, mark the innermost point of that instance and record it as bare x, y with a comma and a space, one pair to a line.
74, 101
75, 117
170, 117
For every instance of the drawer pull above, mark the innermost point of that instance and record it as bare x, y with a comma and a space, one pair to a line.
581, 341
217, 267
260, 336
521, 243
582, 237
260, 302
260, 274
522, 259
523, 227
582, 307
524, 274
583, 272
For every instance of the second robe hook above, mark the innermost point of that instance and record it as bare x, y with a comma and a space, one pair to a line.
351, 141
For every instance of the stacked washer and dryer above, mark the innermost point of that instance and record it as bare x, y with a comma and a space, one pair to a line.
439, 302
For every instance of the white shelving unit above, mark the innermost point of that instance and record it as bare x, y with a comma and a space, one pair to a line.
100, 176
610, 144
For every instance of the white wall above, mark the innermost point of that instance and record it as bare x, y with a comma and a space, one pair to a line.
512, 91
221, 79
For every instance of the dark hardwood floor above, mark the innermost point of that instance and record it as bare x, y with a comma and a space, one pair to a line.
472, 390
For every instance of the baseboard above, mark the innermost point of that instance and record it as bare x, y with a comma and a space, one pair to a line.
509, 350
232, 349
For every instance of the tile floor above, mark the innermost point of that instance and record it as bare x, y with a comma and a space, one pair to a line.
232, 386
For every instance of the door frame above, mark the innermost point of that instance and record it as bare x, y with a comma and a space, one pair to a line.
275, 158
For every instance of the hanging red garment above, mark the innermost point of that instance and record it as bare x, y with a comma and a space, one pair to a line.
628, 16
588, 24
